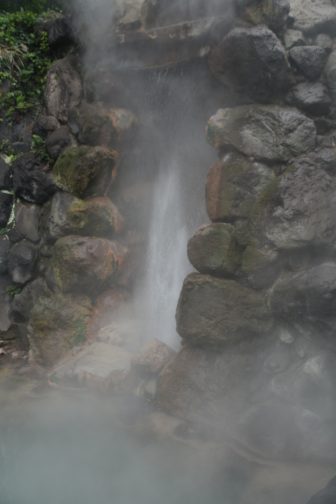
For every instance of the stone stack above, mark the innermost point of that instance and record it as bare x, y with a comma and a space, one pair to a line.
258, 318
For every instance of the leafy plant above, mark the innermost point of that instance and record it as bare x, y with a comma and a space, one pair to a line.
13, 290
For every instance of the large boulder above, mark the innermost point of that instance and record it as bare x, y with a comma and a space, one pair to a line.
213, 311
307, 297
237, 187
309, 60
70, 215
31, 180
214, 250
253, 61
80, 263
85, 171
313, 16
99, 125
63, 89
57, 324
305, 217
269, 133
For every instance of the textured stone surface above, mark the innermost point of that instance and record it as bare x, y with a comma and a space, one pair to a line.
153, 358
57, 141
273, 14
236, 187
253, 61
268, 133
213, 311
4, 253
309, 60
24, 301
22, 261
214, 250
63, 89
85, 263
80, 167
27, 221
330, 72
31, 181
313, 16
293, 38
57, 324
313, 98
70, 215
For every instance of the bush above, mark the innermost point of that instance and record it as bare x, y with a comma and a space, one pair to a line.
31, 5
24, 61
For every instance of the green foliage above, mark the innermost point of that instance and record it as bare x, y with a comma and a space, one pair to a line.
13, 290
31, 5
24, 61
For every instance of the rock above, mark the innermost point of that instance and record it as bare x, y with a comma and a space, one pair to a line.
57, 26
57, 324
252, 61
236, 187
5, 175
30, 180
80, 167
313, 98
70, 215
4, 253
6, 204
153, 358
307, 297
305, 216
268, 133
326, 495
214, 250
27, 221
24, 301
45, 124
330, 72
80, 263
293, 38
309, 60
99, 125
213, 312
107, 307
261, 265
97, 366
63, 89
57, 141
313, 16
325, 41
22, 261
5, 301
273, 14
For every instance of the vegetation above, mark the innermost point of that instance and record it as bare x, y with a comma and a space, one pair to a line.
24, 61
30, 5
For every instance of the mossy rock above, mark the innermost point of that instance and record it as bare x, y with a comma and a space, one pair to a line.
57, 323
70, 215
214, 250
85, 171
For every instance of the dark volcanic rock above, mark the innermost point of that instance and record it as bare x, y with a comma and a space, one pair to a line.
22, 262
268, 133
253, 61
57, 26
213, 312
5, 175
214, 250
27, 221
313, 98
6, 203
4, 253
309, 60
30, 180
63, 90
236, 187
57, 141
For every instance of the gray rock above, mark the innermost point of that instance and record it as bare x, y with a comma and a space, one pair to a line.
57, 26
45, 124
5, 301
152, 358
214, 312
252, 61
6, 204
330, 72
306, 215
307, 298
27, 221
63, 89
214, 250
294, 38
313, 98
309, 60
268, 133
4, 250
57, 141
272, 14
325, 41
5, 175
31, 182
237, 187
22, 262
313, 16
24, 301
